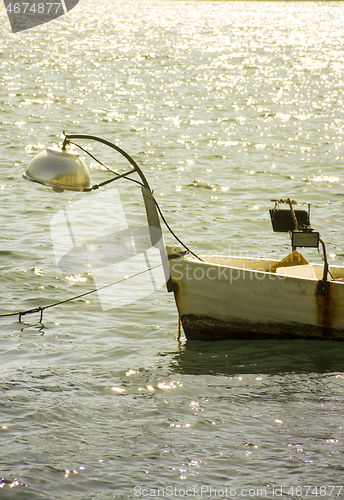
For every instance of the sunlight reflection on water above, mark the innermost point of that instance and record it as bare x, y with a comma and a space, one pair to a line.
224, 105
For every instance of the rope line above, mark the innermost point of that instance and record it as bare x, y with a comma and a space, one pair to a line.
42, 308
118, 176
173, 234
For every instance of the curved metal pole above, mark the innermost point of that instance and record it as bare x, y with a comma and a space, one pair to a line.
324, 285
325, 260
113, 146
150, 203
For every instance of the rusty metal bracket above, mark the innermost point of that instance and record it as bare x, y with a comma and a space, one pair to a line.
171, 286
323, 287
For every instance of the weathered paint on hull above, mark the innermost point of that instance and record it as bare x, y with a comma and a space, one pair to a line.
217, 301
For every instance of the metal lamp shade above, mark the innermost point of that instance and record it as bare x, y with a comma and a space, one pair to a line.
59, 169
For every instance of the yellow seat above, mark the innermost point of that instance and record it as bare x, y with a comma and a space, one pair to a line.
293, 259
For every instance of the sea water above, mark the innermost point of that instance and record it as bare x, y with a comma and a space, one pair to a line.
224, 106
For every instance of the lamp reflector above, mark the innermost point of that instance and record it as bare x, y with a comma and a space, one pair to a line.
59, 169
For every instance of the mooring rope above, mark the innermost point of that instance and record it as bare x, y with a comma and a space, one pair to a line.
42, 308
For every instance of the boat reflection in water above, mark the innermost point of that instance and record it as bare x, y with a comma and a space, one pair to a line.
271, 357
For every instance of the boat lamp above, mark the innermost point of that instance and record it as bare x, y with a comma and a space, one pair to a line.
306, 239
59, 169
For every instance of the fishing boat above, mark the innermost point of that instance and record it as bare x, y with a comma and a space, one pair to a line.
221, 297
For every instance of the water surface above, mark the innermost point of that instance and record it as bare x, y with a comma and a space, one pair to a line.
224, 105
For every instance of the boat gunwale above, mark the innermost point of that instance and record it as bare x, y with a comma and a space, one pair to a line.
192, 259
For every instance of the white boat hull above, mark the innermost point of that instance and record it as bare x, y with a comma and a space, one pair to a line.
230, 297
